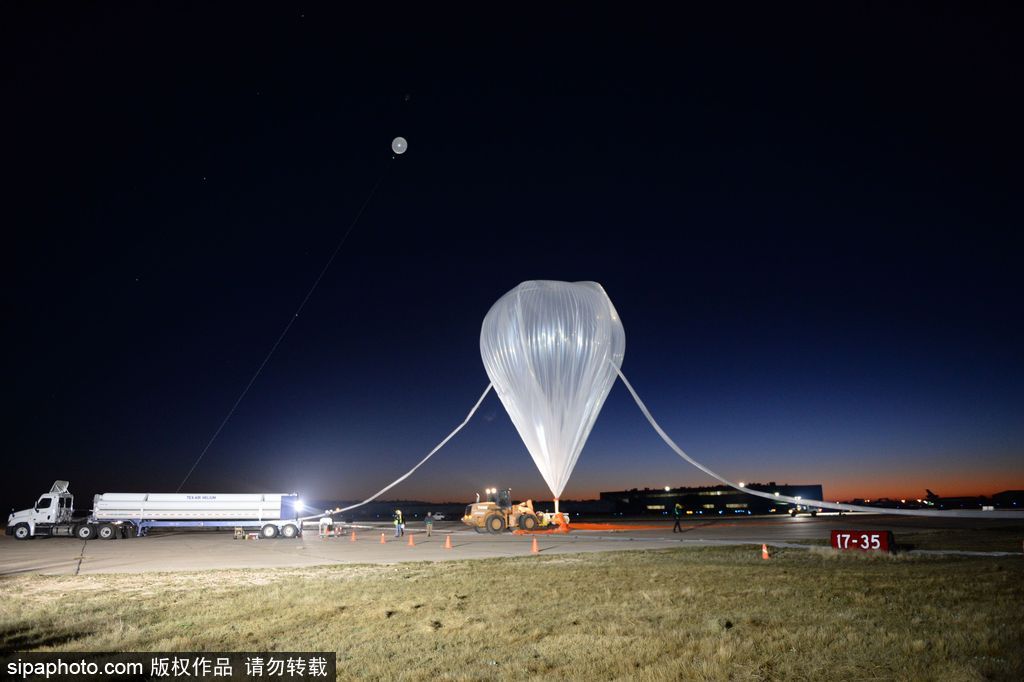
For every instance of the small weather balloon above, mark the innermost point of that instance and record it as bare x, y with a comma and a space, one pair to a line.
399, 145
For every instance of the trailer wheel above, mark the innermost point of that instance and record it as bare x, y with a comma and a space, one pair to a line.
528, 522
269, 531
85, 532
289, 531
21, 532
495, 523
107, 531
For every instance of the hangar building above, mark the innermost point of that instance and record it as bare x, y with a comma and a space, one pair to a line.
719, 500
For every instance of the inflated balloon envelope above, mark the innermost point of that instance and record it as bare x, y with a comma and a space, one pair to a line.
551, 350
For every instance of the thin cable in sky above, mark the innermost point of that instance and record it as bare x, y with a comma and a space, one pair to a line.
291, 321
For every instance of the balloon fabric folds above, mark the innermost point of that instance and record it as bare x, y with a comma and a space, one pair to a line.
551, 349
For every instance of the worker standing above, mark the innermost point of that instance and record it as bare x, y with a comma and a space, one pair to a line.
678, 512
428, 521
399, 523
326, 524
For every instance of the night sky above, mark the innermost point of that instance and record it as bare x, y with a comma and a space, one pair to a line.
810, 224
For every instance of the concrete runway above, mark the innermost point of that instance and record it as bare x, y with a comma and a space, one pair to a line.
204, 550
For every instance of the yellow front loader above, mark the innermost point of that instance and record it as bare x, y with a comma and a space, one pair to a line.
497, 513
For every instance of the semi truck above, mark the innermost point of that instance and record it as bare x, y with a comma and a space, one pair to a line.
134, 514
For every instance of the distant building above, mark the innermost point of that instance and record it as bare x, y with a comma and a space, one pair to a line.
719, 500
1009, 499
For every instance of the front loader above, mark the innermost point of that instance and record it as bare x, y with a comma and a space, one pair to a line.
498, 513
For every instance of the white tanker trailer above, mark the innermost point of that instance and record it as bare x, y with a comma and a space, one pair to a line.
124, 514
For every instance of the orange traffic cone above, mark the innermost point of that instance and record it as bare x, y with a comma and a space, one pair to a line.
382, 540
353, 538
534, 549
764, 552
448, 542
412, 542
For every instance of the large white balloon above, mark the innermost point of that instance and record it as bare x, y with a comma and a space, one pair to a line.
551, 349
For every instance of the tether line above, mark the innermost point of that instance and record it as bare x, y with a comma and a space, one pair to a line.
291, 321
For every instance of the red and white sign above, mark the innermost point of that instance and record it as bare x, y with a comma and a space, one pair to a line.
864, 540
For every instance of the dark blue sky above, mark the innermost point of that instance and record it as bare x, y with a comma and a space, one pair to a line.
810, 224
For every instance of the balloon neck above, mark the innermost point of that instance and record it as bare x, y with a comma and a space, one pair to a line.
556, 505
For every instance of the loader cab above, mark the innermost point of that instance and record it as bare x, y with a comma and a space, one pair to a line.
502, 498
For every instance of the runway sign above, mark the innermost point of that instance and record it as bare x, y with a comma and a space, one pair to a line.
880, 540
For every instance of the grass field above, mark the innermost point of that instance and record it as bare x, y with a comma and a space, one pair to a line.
707, 614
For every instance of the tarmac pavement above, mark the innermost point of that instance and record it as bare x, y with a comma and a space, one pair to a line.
206, 550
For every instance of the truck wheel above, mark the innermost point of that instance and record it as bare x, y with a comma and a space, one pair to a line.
106, 531
21, 531
289, 531
269, 531
85, 532
495, 523
528, 522
813, 514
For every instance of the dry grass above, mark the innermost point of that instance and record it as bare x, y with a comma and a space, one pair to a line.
709, 614
1003, 538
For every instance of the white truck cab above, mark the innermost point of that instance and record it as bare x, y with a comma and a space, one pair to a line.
52, 508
